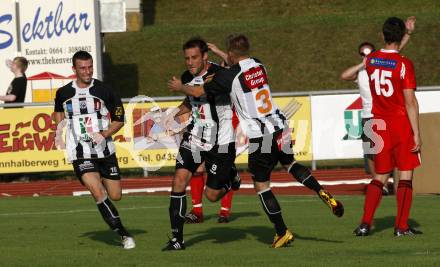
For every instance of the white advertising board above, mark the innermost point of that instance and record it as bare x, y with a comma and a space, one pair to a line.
336, 123
8, 42
49, 33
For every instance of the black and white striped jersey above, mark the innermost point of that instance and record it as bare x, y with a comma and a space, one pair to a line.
248, 86
211, 117
87, 111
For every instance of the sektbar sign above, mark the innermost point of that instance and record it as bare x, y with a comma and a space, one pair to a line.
47, 33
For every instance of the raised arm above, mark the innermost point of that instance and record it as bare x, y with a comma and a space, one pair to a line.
218, 52
410, 26
350, 74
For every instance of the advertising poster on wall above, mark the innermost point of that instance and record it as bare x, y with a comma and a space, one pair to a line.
337, 123
27, 137
48, 33
8, 42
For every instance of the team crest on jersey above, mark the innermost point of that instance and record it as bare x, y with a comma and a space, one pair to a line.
118, 111
83, 104
386, 63
255, 78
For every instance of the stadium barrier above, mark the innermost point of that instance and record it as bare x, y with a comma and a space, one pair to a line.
325, 125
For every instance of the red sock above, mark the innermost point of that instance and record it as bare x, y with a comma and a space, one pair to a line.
197, 184
372, 200
404, 200
225, 209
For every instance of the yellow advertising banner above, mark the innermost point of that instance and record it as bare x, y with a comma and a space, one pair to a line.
27, 137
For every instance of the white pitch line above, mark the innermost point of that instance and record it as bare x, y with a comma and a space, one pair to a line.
134, 208
245, 186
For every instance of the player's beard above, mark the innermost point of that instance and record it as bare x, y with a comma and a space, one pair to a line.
87, 80
200, 69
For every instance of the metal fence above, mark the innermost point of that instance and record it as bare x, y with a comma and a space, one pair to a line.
276, 94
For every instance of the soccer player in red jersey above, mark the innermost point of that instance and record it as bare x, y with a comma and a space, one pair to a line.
396, 126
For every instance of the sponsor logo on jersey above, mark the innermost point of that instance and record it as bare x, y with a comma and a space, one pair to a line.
198, 81
386, 63
83, 104
85, 138
255, 77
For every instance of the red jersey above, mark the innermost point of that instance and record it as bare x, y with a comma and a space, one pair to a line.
389, 74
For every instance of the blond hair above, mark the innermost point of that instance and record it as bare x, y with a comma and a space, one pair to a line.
238, 44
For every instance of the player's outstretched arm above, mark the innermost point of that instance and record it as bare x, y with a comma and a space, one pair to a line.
350, 74
175, 85
412, 108
410, 26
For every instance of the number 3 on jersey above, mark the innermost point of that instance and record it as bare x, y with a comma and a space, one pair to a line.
266, 105
382, 79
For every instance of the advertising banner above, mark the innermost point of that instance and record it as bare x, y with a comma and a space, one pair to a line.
8, 42
27, 137
51, 31
47, 33
337, 123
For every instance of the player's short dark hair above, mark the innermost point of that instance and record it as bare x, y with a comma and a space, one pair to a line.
366, 44
238, 44
81, 55
196, 42
23, 63
393, 30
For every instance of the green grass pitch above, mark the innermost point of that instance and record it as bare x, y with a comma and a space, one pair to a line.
68, 231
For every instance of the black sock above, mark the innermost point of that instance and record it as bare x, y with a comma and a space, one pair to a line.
304, 176
312, 183
111, 216
177, 214
273, 210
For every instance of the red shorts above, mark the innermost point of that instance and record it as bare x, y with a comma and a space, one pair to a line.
398, 140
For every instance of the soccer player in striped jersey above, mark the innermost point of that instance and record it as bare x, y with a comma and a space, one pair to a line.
197, 181
265, 125
209, 138
92, 113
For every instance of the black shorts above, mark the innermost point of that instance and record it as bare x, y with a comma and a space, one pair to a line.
265, 152
107, 167
218, 162
366, 139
